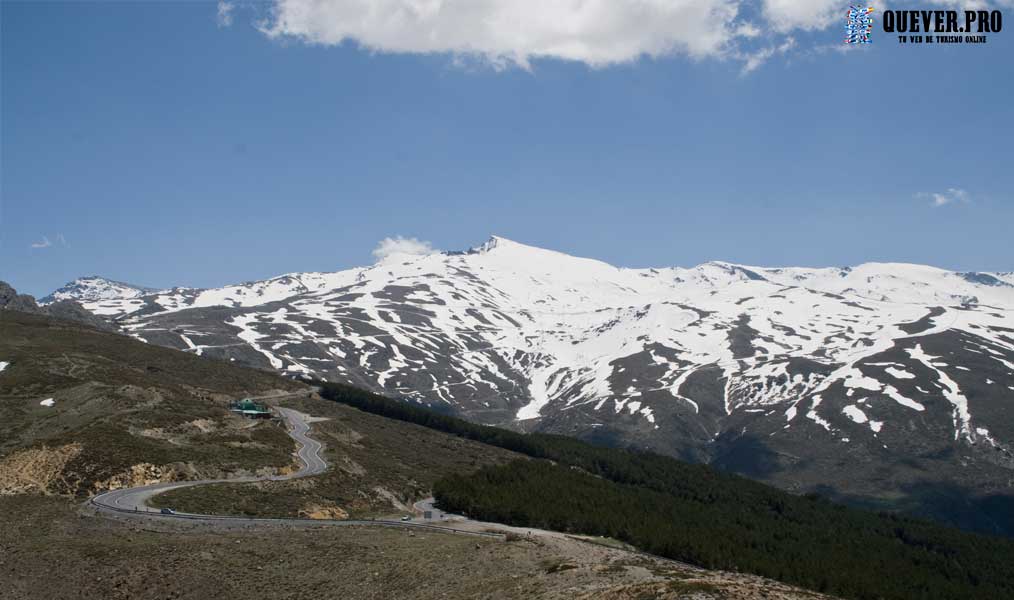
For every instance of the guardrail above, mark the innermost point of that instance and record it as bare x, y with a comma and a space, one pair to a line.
300, 521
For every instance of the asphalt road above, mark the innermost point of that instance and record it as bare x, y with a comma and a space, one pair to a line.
133, 502
309, 448
298, 424
426, 505
462, 522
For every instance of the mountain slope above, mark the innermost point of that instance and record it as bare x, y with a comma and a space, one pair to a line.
95, 288
124, 413
82, 410
880, 381
65, 308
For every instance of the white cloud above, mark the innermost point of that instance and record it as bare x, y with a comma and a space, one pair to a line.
598, 33
401, 245
224, 16
748, 30
951, 196
43, 243
513, 32
755, 59
786, 15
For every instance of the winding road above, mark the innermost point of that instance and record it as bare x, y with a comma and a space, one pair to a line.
135, 499
133, 502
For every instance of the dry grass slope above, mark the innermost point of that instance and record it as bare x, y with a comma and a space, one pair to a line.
131, 412
378, 466
48, 552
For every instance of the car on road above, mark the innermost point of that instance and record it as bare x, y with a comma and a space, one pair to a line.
167, 511
406, 518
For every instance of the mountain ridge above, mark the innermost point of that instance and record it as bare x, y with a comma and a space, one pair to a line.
82, 291
772, 372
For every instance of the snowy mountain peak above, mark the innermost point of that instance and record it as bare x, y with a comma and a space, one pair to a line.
95, 288
497, 243
736, 272
489, 245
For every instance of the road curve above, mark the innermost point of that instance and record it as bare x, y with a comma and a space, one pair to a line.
133, 501
309, 448
428, 505
298, 424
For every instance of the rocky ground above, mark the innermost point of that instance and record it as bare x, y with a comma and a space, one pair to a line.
52, 549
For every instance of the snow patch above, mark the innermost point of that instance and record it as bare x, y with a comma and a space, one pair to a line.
198, 350
961, 416
250, 336
813, 416
853, 412
898, 373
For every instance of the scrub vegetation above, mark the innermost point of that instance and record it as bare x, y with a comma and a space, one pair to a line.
696, 514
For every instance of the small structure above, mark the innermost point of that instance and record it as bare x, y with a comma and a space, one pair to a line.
249, 408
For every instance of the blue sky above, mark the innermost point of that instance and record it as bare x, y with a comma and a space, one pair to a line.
160, 144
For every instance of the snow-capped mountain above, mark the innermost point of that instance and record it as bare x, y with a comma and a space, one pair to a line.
94, 290
798, 376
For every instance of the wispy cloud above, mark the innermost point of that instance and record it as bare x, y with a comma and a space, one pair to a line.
224, 17
45, 242
753, 60
401, 245
950, 196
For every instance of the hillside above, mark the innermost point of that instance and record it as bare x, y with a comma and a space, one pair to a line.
50, 553
125, 413
82, 410
883, 384
380, 467
696, 514
66, 308
86, 410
